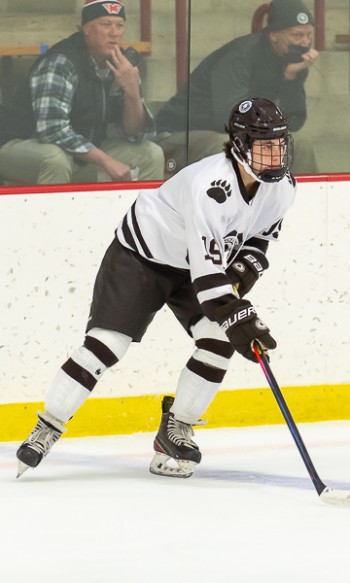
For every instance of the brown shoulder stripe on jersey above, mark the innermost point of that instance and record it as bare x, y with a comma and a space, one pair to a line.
128, 234
139, 234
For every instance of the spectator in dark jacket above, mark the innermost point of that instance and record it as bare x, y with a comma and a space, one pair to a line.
80, 115
272, 64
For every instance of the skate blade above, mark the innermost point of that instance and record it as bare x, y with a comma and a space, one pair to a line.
21, 469
160, 467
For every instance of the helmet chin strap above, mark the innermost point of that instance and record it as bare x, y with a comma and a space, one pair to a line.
245, 165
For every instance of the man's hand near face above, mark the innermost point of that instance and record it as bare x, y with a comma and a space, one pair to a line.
307, 59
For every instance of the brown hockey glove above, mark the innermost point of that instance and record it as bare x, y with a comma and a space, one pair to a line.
241, 324
246, 269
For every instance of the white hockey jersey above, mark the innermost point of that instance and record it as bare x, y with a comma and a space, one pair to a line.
200, 219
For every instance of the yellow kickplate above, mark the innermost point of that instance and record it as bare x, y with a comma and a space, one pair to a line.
235, 408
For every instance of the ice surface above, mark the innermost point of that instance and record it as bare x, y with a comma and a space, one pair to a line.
92, 513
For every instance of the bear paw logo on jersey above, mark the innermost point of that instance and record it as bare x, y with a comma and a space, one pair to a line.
220, 191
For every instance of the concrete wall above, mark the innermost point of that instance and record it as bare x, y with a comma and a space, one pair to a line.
52, 245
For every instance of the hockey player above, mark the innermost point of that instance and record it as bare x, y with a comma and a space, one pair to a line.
198, 245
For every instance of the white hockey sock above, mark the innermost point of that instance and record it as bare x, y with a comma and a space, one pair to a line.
193, 396
77, 377
64, 397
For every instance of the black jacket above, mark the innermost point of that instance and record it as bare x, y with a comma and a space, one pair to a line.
244, 68
92, 105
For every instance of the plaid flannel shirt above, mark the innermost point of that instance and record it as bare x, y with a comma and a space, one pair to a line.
53, 85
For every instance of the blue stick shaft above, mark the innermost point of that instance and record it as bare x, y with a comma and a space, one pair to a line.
262, 359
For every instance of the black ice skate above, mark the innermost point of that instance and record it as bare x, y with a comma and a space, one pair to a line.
174, 441
44, 435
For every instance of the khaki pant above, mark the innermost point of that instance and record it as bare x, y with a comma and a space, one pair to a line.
201, 143
30, 162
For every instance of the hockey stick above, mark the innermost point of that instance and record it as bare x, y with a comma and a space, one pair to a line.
328, 495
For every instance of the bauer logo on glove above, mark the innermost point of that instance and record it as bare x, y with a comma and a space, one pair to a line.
242, 326
255, 264
246, 269
241, 315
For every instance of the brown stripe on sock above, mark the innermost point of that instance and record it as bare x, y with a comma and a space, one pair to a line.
101, 351
79, 374
219, 347
207, 372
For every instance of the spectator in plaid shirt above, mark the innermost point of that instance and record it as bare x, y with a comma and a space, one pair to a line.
80, 115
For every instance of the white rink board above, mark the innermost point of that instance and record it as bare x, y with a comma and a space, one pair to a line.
52, 245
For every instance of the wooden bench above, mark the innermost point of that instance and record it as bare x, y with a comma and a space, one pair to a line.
342, 39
